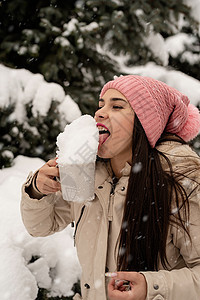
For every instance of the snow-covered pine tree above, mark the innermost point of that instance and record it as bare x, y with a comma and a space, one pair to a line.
53, 38
184, 42
33, 112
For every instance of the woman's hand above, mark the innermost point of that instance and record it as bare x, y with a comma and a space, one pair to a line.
127, 286
45, 180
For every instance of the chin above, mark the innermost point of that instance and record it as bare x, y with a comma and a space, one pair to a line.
103, 155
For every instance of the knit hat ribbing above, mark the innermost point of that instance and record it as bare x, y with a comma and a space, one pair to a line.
158, 107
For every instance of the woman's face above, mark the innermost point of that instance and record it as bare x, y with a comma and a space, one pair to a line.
115, 119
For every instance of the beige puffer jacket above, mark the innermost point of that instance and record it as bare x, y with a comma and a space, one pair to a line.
98, 224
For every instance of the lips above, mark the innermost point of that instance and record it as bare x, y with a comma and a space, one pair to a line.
104, 133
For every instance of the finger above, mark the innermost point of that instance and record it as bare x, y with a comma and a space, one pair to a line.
120, 295
49, 171
48, 190
111, 285
116, 293
119, 282
122, 285
130, 276
53, 184
52, 162
49, 185
122, 288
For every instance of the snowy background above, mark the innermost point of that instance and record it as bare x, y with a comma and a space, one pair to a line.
57, 268
28, 263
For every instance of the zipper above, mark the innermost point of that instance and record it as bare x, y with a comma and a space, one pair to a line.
79, 219
112, 188
111, 199
110, 208
113, 184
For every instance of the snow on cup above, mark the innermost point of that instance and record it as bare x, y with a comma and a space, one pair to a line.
77, 150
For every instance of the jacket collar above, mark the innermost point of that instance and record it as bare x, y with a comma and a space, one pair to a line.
126, 170
104, 172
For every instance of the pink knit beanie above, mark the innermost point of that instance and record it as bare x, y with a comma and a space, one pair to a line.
158, 107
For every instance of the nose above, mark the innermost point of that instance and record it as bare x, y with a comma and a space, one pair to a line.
101, 114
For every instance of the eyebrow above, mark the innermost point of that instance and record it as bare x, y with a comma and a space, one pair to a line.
113, 99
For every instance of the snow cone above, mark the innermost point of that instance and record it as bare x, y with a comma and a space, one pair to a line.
77, 150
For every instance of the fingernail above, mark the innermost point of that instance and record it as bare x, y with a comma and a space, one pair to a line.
109, 274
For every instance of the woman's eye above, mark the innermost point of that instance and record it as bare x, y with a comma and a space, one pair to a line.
117, 107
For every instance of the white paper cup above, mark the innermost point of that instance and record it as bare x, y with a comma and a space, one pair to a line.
77, 182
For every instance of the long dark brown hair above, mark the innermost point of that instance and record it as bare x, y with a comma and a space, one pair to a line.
148, 205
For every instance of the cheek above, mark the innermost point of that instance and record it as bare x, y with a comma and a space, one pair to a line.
124, 122
124, 129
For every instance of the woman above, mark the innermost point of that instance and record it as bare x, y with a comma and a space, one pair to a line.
144, 222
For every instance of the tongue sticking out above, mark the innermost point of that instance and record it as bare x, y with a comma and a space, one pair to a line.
102, 138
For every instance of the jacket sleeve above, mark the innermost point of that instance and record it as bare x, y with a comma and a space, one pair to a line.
182, 283
45, 216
